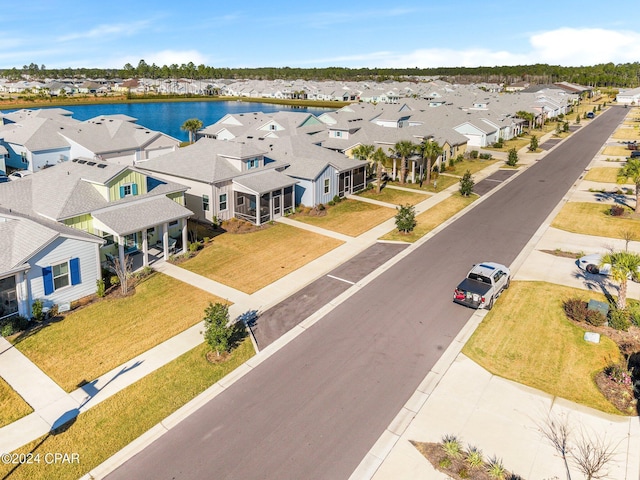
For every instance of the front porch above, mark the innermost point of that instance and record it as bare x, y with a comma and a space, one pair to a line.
263, 197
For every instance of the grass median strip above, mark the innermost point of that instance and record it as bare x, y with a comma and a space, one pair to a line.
97, 338
594, 219
528, 339
109, 426
12, 406
251, 261
431, 218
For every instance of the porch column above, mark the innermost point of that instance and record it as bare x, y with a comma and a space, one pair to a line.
258, 209
165, 241
184, 235
121, 251
22, 294
413, 172
394, 169
145, 248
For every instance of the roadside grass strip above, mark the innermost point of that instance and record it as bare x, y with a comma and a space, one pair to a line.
12, 406
394, 196
251, 261
627, 133
604, 174
616, 151
349, 217
594, 219
97, 338
530, 341
431, 218
108, 427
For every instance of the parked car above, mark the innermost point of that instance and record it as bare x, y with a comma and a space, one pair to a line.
591, 115
18, 174
4, 179
591, 264
635, 154
483, 284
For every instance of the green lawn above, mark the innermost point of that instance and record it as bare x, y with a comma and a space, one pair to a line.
394, 196
603, 174
441, 183
12, 406
531, 342
111, 425
97, 338
349, 217
473, 166
431, 218
594, 219
251, 261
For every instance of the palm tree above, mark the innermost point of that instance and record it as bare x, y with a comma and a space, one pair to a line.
378, 158
623, 266
192, 126
403, 149
631, 170
528, 116
430, 152
364, 152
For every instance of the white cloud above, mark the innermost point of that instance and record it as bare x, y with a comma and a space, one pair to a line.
564, 46
585, 46
108, 31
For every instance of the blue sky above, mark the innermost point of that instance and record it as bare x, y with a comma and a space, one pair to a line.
355, 33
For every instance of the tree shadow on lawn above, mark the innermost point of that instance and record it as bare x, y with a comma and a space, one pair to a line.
617, 198
596, 282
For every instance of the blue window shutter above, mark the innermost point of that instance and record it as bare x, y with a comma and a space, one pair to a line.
134, 188
74, 266
47, 278
121, 192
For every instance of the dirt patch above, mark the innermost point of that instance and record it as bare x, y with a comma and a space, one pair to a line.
561, 253
235, 225
213, 357
619, 394
316, 211
455, 468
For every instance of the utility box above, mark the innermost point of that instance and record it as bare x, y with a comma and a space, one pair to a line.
602, 307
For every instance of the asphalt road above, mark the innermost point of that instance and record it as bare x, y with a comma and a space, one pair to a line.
315, 408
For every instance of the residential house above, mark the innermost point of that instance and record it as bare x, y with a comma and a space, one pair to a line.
37, 139
228, 178
44, 260
127, 208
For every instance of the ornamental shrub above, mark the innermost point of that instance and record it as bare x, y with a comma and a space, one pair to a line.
616, 211
619, 319
595, 318
575, 309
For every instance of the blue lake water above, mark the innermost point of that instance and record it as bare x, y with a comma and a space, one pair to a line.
168, 117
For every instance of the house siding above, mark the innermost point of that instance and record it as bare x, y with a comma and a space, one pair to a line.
127, 177
327, 173
58, 251
81, 222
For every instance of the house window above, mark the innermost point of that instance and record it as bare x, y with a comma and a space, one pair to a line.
326, 186
253, 163
173, 224
61, 275
128, 190
223, 201
23, 158
240, 201
205, 203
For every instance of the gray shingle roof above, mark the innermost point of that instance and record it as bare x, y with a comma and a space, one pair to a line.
129, 218
267, 181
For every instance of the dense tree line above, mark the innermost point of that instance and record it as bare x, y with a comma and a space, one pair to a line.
601, 75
